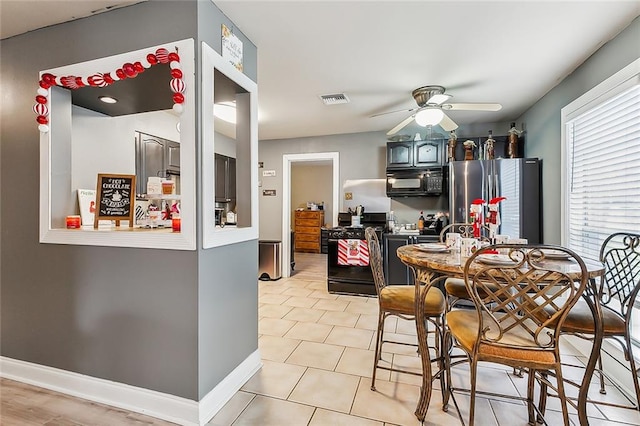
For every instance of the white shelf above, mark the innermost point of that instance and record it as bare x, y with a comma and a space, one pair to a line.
159, 197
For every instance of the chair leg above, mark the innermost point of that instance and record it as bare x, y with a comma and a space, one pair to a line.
381, 318
634, 372
603, 391
542, 405
446, 349
561, 394
440, 352
530, 387
473, 367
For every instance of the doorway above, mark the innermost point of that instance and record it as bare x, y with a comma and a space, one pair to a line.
287, 161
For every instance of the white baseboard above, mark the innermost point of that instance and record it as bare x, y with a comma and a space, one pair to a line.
164, 406
212, 402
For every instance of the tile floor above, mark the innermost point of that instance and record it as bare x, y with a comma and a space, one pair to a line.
317, 351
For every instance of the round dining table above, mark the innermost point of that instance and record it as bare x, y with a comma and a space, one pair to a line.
427, 265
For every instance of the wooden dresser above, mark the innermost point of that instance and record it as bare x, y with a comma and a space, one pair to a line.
307, 230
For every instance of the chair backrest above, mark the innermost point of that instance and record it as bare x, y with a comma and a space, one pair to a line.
620, 253
375, 258
522, 293
464, 229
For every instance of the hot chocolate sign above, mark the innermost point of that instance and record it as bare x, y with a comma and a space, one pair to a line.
114, 198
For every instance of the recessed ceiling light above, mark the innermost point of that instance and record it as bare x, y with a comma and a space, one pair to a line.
108, 99
225, 111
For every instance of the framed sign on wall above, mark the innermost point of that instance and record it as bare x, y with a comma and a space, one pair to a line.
115, 198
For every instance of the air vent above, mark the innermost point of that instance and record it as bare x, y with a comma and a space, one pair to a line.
338, 98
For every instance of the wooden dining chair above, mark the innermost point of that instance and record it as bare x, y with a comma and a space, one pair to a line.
504, 327
399, 300
616, 293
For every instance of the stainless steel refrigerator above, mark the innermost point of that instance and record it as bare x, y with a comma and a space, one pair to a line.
517, 179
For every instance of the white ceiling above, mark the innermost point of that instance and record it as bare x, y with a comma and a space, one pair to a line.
377, 52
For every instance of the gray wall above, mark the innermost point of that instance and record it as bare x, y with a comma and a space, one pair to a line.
542, 120
157, 320
362, 156
351, 148
227, 276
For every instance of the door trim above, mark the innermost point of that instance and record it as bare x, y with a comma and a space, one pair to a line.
287, 160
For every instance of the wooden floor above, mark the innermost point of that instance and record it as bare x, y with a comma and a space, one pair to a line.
26, 405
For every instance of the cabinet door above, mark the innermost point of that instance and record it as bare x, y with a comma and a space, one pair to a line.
396, 272
399, 154
221, 178
231, 178
151, 160
173, 156
428, 153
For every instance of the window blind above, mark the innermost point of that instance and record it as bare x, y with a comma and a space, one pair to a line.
604, 172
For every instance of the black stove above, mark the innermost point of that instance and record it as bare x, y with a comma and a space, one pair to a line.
351, 278
351, 232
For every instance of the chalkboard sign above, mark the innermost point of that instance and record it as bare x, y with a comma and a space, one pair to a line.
115, 198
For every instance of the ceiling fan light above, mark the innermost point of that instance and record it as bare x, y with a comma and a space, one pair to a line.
225, 111
429, 117
438, 99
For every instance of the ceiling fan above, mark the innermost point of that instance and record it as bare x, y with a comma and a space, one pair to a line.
431, 106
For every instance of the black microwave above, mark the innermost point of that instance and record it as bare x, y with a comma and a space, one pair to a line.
416, 183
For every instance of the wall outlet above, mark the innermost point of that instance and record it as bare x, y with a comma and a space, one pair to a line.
348, 196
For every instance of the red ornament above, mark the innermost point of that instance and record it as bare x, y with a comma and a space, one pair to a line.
50, 79
41, 109
177, 85
44, 84
129, 70
69, 82
173, 56
79, 82
97, 80
138, 67
120, 73
176, 73
41, 99
151, 58
178, 98
163, 55
107, 78
41, 119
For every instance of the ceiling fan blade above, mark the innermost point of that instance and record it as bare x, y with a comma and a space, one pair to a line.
401, 125
472, 107
447, 124
392, 112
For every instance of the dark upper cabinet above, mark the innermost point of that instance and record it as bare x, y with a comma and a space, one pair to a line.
414, 154
225, 170
427, 153
399, 154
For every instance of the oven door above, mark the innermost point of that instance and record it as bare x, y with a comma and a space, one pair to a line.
347, 278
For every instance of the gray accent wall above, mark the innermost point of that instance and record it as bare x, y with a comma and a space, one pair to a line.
176, 322
542, 120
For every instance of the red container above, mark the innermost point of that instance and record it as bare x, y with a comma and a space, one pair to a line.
73, 222
175, 224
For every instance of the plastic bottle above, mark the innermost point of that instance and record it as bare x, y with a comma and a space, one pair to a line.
421, 222
391, 222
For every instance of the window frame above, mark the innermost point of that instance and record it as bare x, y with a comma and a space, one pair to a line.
613, 86
56, 147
